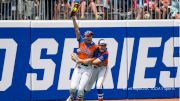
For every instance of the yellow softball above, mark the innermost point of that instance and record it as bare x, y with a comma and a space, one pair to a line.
74, 9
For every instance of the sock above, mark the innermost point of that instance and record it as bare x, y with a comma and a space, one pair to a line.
100, 93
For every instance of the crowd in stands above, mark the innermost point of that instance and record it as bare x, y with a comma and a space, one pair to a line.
89, 9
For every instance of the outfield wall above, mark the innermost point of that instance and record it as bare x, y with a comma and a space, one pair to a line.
35, 63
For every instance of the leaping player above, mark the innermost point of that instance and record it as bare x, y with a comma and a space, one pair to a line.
82, 72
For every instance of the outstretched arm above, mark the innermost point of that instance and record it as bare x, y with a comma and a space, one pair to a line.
99, 61
76, 28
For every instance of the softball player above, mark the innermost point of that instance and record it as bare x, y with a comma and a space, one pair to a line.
82, 72
100, 68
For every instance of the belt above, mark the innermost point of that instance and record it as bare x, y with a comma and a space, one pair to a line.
95, 66
84, 64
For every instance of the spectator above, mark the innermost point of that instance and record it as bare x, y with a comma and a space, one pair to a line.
29, 9
92, 6
105, 7
142, 6
68, 5
174, 10
13, 9
57, 9
99, 2
37, 6
20, 9
165, 9
154, 11
120, 9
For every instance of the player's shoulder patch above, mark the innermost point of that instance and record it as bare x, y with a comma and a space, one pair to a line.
92, 43
80, 39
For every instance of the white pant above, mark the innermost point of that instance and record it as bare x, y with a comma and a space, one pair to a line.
80, 78
98, 74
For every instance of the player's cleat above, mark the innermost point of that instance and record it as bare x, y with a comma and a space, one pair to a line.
100, 99
80, 98
69, 99
74, 9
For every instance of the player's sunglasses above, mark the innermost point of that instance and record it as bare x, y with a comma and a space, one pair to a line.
102, 44
88, 33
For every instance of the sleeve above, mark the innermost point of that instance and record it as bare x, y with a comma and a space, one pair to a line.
75, 50
96, 53
103, 57
80, 39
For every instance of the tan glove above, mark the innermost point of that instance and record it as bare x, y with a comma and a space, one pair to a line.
75, 9
74, 57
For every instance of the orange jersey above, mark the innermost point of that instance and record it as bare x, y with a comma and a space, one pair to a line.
86, 51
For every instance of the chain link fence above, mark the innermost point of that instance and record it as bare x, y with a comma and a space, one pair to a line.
105, 9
